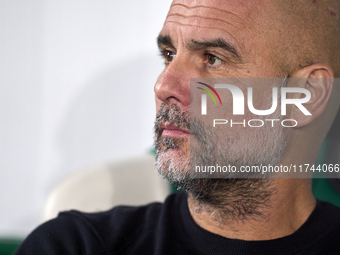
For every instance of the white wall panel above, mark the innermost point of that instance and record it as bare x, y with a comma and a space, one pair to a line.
76, 89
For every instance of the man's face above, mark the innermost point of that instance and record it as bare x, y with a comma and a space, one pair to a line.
207, 39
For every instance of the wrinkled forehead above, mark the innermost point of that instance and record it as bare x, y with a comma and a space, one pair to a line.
239, 11
235, 19
233, 6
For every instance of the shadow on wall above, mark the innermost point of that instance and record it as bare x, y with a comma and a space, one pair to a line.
112, 116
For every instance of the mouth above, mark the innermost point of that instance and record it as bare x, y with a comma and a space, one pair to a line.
171, 130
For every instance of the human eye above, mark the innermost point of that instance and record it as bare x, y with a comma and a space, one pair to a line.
212, 61
168, 56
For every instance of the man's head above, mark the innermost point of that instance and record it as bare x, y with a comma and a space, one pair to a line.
244, 39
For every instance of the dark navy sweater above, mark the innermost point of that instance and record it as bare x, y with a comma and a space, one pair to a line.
168, 228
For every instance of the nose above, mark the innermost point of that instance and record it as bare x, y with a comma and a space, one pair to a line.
173, 85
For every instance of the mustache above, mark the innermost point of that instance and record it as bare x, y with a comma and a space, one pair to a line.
173, 115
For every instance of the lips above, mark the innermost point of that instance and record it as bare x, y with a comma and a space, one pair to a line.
172, 130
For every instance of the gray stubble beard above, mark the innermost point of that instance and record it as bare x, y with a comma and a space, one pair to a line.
229, 198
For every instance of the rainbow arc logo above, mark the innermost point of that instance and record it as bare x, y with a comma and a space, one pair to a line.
204, 97
209, 93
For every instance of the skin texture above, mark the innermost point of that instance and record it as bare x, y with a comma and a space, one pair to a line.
314, 25
272, 39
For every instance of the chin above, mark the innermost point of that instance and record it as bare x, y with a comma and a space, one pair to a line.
172, 164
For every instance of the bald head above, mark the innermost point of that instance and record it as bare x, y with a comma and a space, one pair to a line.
308, 33
305, 35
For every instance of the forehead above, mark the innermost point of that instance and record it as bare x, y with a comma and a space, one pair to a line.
234, 20
237, 7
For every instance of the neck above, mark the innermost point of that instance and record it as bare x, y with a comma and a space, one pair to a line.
288, 207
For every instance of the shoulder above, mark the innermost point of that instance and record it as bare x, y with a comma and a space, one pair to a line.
326, 228
98, 233
330, 215
65, 234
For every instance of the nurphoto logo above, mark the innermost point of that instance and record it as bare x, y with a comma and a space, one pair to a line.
278, 93
238, 99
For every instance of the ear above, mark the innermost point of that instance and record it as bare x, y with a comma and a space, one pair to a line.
318, 79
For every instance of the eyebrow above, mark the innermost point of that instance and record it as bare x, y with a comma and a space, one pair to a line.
165, 40
216, 43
